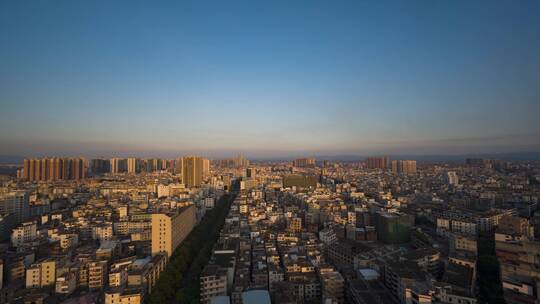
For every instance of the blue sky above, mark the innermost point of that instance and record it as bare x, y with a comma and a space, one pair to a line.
269, 78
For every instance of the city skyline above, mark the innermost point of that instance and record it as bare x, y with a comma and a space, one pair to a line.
279, 80
270, 152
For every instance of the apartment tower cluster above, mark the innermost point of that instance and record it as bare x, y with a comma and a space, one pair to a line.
55, 168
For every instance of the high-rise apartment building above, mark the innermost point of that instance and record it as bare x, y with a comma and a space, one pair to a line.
31, 169
44, 169
167, 164
192, 171
45, 165
404, 166
381, 162
52, 169
115, 165
177, 166
206, 167
170, 229
100, 166
57, 170
132, 165
37, 168
475, 162
304, 162
77, 171
241, 162
236, 162
118, 165
66, 167
154, 164
26, 169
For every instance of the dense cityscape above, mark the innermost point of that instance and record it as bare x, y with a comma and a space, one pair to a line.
269, 152
194, 230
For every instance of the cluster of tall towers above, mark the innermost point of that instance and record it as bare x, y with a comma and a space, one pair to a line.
130, 165
52, 169
404, 166
397, 166
305, 162
193, 169
379, 162
236, 162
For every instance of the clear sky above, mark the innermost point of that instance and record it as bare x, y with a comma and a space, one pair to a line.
269, 78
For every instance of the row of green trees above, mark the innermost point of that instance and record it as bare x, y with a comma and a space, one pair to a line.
179, 283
